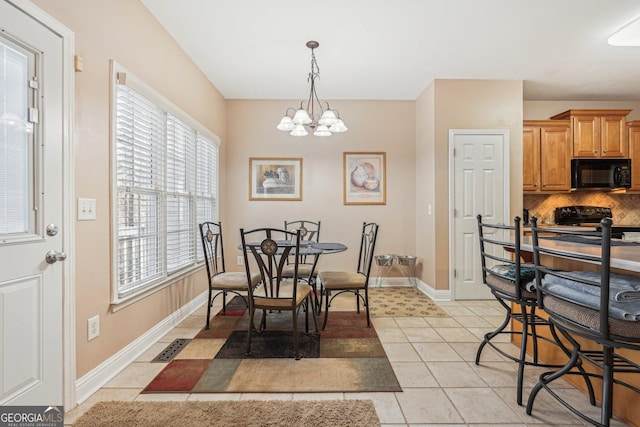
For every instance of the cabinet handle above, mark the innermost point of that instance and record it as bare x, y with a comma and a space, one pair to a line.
595, 151
535, 184
604, 151
544, 185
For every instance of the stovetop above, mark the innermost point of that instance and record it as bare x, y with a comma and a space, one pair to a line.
578, 215
590, 216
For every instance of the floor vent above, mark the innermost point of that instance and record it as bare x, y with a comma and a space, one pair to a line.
171, 350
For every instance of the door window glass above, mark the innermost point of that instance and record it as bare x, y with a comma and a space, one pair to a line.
16, 141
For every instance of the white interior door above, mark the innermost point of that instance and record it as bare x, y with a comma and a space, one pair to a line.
31, 210
479, 185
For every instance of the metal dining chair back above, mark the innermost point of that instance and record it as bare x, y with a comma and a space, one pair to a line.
356, 281
266, 251
218, 278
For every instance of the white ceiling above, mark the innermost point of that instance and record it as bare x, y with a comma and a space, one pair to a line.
393, 49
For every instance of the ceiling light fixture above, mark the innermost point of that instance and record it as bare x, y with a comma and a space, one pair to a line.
321, 119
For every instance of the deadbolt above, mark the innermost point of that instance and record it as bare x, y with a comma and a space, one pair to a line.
52, 230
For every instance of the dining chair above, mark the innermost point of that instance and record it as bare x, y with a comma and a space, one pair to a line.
307, 264
511, 283
269, 249
594, 307
219, 279
352, 281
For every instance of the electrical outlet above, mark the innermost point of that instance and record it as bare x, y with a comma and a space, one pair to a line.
93, 327
240, 260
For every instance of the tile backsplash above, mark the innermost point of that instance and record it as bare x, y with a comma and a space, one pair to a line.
625, 207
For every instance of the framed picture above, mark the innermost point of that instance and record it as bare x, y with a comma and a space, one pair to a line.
272, 178
365, 179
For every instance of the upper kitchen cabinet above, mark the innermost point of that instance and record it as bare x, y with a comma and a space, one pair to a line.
597, 133
634, 153
546, 148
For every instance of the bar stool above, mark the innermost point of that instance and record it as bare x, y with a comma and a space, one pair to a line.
508, 280
600, 307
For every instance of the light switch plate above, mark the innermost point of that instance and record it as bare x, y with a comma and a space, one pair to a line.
86, 209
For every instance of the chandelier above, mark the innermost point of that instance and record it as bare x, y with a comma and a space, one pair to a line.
316, 115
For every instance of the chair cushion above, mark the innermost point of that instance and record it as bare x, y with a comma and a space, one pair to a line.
508, 287
508, 271
342, 280
590, 318
304, 270
284, 300
233, 280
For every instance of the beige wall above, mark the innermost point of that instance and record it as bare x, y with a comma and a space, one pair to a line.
374, 126
125, 31
462, 104
426, 185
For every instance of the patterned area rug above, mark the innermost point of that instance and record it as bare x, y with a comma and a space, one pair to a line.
347, 356
402, 301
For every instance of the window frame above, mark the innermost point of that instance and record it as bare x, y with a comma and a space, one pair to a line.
120, 298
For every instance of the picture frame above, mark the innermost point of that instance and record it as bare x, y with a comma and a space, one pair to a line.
275, 178
365, 181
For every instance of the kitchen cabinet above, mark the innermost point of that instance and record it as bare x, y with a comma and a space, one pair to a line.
633, 132
597, 133
546, 149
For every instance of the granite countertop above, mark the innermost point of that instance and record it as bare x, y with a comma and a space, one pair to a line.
622, 257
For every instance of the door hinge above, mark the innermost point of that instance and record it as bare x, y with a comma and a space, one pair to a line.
34, 115
33, 84
455, 273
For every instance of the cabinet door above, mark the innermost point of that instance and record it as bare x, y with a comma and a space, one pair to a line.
555, 158
634, 154
586, 136
531, 159
613, 140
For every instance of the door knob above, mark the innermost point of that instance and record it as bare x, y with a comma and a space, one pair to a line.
53, 256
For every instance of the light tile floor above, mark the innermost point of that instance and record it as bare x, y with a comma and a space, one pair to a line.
433, 359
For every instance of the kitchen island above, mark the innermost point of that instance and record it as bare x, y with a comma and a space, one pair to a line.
624, 260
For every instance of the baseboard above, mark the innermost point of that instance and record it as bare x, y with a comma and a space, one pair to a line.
106, 371
434, 294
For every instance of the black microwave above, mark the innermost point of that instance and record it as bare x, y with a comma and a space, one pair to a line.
600, 174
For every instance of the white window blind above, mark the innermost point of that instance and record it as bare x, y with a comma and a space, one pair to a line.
140, 177
181, 177
206, 182
15, 141
166, 180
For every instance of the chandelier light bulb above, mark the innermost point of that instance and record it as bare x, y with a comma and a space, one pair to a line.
299, 130
286, 124
338, 127
322, 130
301, 117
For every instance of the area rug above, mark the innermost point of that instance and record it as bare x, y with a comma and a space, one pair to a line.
402, 302
251, 413
345, 357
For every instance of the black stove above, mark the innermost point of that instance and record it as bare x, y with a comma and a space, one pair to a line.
590, 216
579, 215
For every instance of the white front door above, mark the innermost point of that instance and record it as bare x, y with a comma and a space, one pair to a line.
479, 185
31, 210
